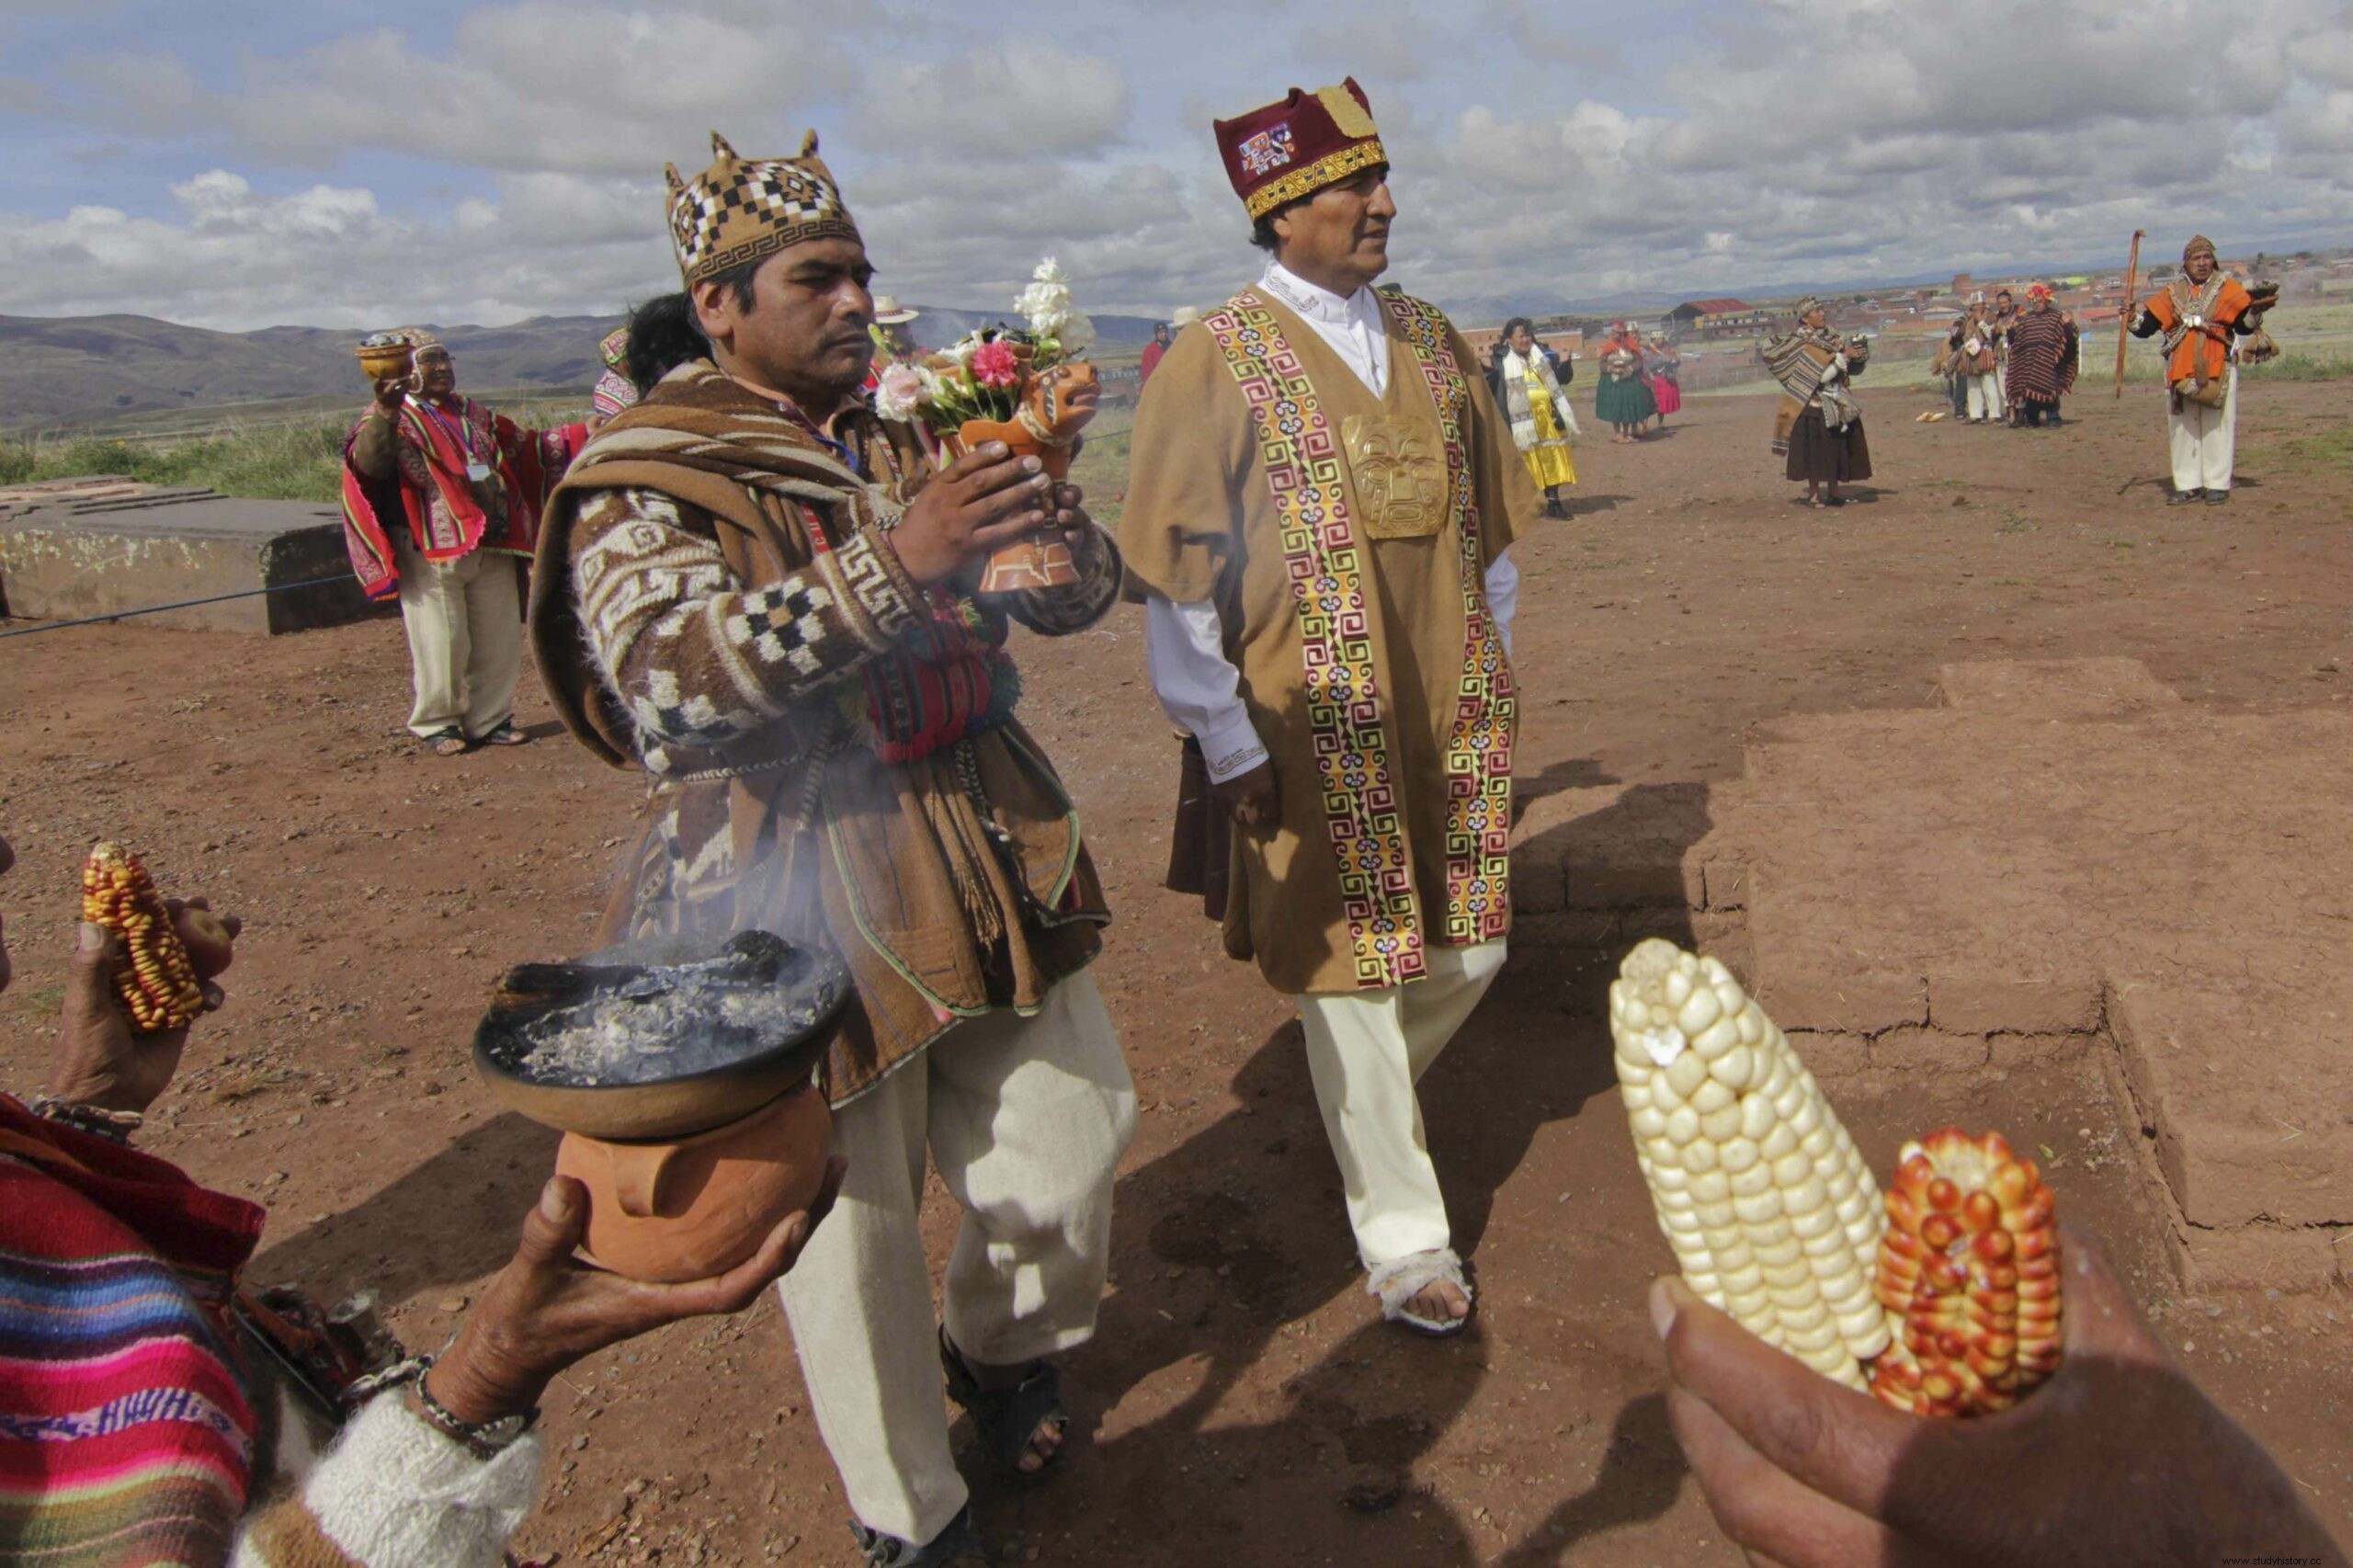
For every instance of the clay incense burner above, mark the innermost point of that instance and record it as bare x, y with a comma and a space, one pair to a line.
690, 1208
679, 1070
659, 1038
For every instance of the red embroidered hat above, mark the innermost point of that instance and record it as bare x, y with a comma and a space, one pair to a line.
1295, 148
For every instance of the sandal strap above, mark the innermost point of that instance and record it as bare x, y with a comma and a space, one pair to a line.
1008, 1419
1396, 1282
957, 1543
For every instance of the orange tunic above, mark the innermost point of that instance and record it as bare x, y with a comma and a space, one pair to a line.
2208, 342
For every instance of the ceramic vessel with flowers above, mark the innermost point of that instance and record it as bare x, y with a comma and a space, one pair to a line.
1029, 387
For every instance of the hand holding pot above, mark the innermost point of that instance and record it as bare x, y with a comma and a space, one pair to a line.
984, 501
546, 1311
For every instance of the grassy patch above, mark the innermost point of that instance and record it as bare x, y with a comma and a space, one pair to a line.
2329, 449
1101, 470
270, 462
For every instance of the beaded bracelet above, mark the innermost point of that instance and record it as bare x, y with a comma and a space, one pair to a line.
114, 1126
483, 1439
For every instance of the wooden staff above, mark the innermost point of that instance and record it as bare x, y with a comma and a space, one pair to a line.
2124, 312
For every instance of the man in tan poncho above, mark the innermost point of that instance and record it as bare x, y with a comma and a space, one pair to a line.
1323, 496
762, 596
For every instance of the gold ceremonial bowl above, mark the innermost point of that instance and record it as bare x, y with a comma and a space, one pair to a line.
384, 359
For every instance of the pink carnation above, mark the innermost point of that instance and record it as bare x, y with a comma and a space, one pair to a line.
994, 366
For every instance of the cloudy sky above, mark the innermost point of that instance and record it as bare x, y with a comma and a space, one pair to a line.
350, 162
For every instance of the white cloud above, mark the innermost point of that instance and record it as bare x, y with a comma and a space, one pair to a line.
1744, 144
1012, 101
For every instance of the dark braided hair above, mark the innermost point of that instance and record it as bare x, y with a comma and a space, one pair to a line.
663, 335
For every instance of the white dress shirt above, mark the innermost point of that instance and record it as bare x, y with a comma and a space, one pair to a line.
1199, 686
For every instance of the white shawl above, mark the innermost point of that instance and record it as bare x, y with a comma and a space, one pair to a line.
1518, 409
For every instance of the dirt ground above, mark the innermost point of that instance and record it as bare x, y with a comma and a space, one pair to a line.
1241, 1390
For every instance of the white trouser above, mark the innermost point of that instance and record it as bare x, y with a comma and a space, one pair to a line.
2205, 440
465, 639
1026, 1119
1984, 396
2002, 384
1365, 1049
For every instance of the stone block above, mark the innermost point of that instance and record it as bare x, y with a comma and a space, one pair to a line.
2249, 1258
1566, 928
1975, 1002
1830, 1057
1837, 1000
2014, 1052
105, 555
1917, 1050
1628, 887
1723, 881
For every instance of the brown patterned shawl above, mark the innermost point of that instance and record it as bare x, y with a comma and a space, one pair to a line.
801, 825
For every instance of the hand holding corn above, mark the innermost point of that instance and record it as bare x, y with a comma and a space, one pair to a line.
1943, 1301
127, 1008
2121, 1460
154, 977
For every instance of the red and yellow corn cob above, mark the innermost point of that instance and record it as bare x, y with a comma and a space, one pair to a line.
1944, 1300
152, 975
1969, 1273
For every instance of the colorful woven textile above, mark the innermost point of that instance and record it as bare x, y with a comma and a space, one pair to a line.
2041, 368
741, 209
1348, 709
126, 1436
944, 678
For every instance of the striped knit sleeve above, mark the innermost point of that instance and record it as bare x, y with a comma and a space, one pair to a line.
1058, 612
698, 659
394, 1492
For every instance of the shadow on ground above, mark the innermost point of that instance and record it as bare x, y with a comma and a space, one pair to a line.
1238, 1413
451, 1221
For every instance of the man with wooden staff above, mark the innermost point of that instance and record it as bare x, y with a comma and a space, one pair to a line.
1318, 521
2202, 312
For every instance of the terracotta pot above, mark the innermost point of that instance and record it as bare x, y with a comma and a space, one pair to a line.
1032, 562
699, 1206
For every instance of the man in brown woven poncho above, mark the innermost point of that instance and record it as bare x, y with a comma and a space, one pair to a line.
753, 590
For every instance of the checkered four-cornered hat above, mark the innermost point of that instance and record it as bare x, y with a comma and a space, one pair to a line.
741, 209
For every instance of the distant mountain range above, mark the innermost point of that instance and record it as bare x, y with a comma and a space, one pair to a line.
66, 372
74, 369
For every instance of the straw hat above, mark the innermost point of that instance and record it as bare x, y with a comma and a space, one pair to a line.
1183, 315
888, 312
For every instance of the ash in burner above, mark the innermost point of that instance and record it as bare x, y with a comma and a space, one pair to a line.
617, 1023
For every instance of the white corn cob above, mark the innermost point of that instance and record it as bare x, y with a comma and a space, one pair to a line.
1772, 1214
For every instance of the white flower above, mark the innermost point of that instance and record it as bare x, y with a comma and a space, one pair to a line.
899, 392
1053, 319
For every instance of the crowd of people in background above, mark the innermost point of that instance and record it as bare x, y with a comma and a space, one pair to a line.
2002, 365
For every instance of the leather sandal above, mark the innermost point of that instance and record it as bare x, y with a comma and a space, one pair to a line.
1395, 1285
955, 1546
1009, 1418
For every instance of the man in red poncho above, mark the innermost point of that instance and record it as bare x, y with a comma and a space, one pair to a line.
440, 498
